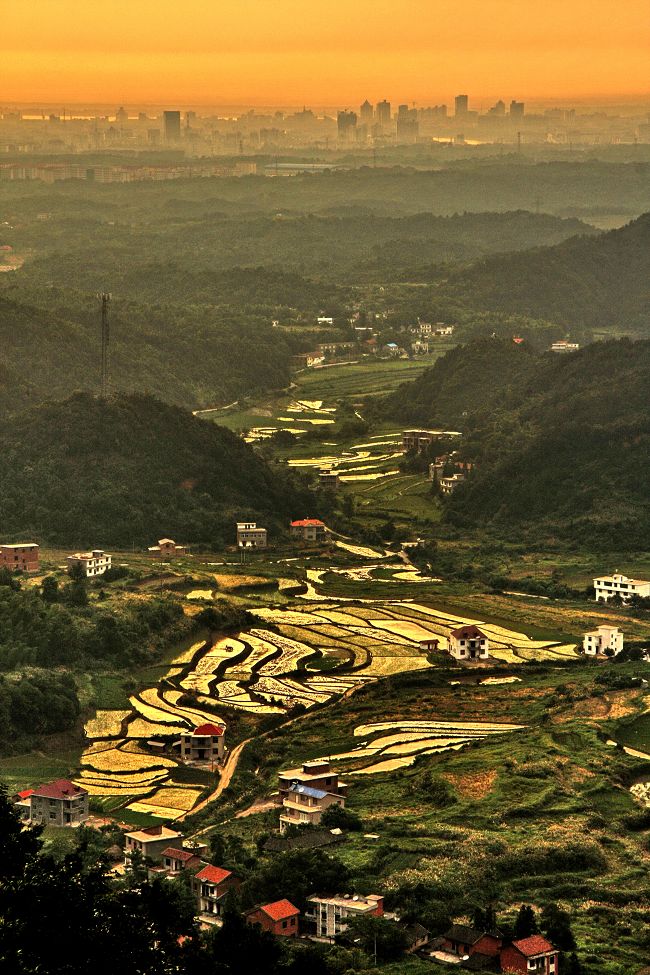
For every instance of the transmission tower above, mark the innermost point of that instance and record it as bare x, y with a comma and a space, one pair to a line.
105, 300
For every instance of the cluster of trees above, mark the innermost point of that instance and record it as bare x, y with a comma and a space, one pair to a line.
39, 703
125, 471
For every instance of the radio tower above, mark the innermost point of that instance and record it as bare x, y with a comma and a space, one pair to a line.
105, 300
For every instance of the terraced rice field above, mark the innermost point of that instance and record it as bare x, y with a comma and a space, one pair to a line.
408, 739
275, 666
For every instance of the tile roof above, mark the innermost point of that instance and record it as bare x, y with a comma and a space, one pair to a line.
60, 789
209, 729
306, 522
535, 945
25, 794
213, 875
469, 632
463, 933
279, 910
183, 855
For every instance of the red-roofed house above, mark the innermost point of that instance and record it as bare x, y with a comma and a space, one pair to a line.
533, 955
205, 744
175, 861
280, 918
469, 643
308, 530
22, 802
58, 803
211, 886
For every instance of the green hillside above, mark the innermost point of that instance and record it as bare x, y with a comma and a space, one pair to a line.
566, 449
585, 282
81, 472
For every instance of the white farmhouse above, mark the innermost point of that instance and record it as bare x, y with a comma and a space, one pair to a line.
619, 585
596, 642
469, 643
92, 564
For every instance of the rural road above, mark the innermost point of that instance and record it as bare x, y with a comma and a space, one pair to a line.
224, 781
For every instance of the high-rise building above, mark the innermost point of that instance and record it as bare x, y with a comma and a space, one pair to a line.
366, 113
172, 126
383, 112
346, 126
407, 123
498, 109
516, 109
462, 104
121, 116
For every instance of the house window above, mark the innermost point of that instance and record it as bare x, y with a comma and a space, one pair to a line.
284, 924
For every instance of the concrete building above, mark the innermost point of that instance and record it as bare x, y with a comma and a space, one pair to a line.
92, 564
58, 803
565, 346
419, 439
250, 536
151, 841
211, 886
308, 530
469, 643
23, 557
619, 585
598, 641
279, 918
330, 915
172, 126
205, 744
449, 484
329, 479
307, 791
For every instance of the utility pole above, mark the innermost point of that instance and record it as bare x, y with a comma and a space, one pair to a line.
105, 300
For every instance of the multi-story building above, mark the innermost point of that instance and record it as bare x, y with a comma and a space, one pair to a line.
173, 860
602, 639
461, 103
205, 744
211, 885
563, 346
383, 113
419, 439
250, 536
449, 484
58, 803
330, 915
619, 585
167, 549
307, 792
329, 479
469, 643
93, 563
346, 124
308, 530
172, 126
151, 841
23, 557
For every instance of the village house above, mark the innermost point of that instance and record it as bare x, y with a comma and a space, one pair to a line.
280, 918
151, 841
429, 645
307, 360
603, 638
205, 744
419, 347
329, 479
469, 643
330, 915
392, 349
465, 941
449, 484
619, 585
22, 803
420, 439
93, 563
211, 885
308, 530
250, 536
173, 861
325, 320
306, 793
442, 330
167, 549
563, 346
335, 348
23, 557
58, 803
530, 956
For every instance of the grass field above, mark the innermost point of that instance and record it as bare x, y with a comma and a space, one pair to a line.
356, 381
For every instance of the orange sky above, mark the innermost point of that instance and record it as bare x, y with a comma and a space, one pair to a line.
332, 52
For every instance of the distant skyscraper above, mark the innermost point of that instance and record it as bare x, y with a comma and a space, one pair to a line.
516, 109
366, 113
347, 126
498, 109
121, 116
407, 123
462, 104
383, 113
172, 126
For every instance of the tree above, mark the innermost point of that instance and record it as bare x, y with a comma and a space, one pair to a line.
378, 937
50, 589
526, 923
338, 817
556, 925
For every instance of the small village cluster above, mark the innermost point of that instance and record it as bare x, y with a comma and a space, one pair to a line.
305, 793
418, 340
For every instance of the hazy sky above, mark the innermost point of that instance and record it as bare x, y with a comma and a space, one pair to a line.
320, 51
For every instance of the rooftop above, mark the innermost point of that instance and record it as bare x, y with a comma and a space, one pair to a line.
305, 790
154, 833
60, 789
535, 945
306, 522
183, 855
213, 875
279, 910
209, 729
469, 632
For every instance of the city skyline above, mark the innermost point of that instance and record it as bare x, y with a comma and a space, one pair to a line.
287, 54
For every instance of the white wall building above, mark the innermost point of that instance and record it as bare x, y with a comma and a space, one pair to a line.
93, 563
619, 585
469, 643
604, 638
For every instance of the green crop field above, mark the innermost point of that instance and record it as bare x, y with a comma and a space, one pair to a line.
359, 380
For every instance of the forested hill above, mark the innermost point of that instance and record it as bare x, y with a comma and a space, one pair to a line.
566, 451
84, 473
589, 282
458, 383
